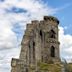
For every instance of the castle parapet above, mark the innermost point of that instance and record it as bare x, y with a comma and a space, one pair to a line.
51, 18
34, 21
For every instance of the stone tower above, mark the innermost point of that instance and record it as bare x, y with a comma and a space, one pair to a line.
39, 44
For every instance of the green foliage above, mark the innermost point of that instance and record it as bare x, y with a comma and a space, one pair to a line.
69, 67
46, 67
49, 67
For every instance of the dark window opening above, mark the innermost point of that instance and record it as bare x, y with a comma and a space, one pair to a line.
52, 51
53, 31
42, 58
29, 53
34, 50
41, 34
26, 69
33, 44
52, 34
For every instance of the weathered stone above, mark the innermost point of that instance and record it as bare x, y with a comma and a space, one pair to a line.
39, 44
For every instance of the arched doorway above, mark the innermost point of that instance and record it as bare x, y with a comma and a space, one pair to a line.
52, 51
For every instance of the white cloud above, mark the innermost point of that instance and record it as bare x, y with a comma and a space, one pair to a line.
9, 42
8, 20
65, 44
6, 56
7, 36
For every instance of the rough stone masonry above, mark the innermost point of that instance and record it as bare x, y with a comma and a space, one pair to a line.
39, 44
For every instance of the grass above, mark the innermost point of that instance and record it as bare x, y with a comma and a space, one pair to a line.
49, 67
44, 67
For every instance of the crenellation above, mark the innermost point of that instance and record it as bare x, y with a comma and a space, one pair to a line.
51, 18
39, 44
29, 26
41, 21
35, 22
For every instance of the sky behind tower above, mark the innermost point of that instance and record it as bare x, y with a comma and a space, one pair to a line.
14, 14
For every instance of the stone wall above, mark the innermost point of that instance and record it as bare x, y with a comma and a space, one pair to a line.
39, 44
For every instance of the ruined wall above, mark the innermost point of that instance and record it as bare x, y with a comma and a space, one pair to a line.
39, 44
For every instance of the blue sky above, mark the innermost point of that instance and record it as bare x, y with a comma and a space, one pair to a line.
65, 14
15, 14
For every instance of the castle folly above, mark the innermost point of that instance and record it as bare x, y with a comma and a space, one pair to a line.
39, 44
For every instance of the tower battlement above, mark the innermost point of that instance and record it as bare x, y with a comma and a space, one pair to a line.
34, 21
51, 18
39, 44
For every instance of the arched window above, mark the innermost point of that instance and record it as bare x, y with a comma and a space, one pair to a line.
41, 34
34, 50
52, 34
52, 51
29, 53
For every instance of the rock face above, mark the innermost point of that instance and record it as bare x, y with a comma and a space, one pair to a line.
39, 44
